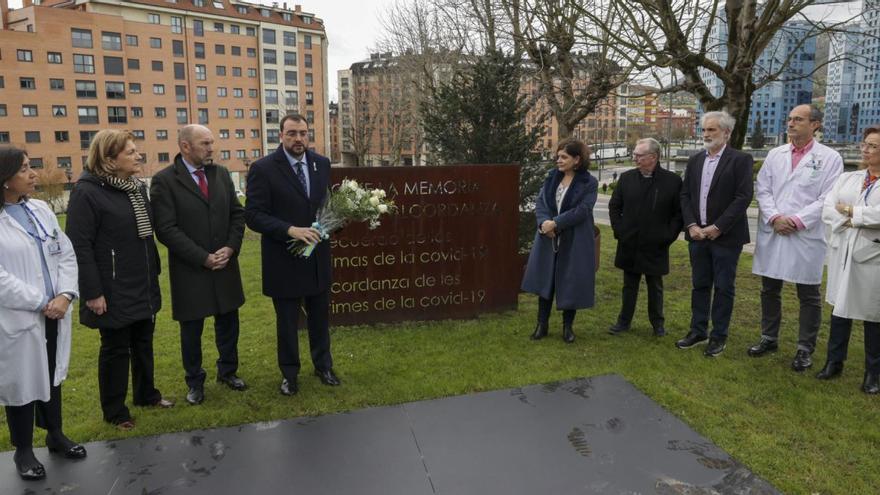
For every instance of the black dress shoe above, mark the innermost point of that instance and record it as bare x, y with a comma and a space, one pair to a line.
618, 328
567, 334
690, 340
871, 384
289, 387
659, 331
59, 443
27, 465
763, 347
196, 395
715, 347
328, 377
540, 331
802, 361
233, 381
832, 369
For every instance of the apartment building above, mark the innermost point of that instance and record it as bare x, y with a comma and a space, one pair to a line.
69, 68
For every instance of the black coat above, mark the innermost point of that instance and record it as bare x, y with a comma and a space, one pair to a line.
193, 227
276, 200
646, 217
730, 193
113, 261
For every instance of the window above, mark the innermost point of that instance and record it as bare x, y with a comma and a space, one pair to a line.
255, 113
134, 88
223, 113
134, 64
198, 28
201, 72
270, 57
252, 93
310, 98
64, 161
235, 50
271, 116
160, 112
179, 71
272, 136
310, 116
236, 72
290, 77
111, 41
289, 38
83, 64
270, 76
87, 115
239, 113
221, 92
177, 48
252, 72
308, 79
307, 60
36, 162
221, 70
157, 65
256, 153
252, 52
155, 42
85, 138
115, 90
81, 38
180, 93
203, 116
27, 83
164, 158
3, 110
161, 135
4, 137
176, 25
265, 12
239, 134
113, 66
201, 94
255, 133
218, 27
250, 31
131, 40
271, 96
224, 133
154, 19
224, 155
138, 135
62, 137
182, 117
287, 16
137, 112
199, 3
220, 49
235, 29
291, 98
241, 9
307, 41
59, 110
158, 89
54, 57
2, 82
289, 58
29, 111
237, 93
200, 50
117, 115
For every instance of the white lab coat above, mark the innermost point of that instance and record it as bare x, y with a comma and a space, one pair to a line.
854, 252
796, 257
24, 366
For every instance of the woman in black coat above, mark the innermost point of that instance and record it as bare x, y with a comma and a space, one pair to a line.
645, 214
110, 225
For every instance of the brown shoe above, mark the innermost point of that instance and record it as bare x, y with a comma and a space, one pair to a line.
126, 425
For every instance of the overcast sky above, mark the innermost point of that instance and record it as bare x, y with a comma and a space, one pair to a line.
353, 26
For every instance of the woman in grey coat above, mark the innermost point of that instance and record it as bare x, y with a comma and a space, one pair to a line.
563, 257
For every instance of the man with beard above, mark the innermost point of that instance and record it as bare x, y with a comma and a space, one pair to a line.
198, 217
715, 196
284, 192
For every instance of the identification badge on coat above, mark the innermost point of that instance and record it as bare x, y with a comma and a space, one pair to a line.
54, 248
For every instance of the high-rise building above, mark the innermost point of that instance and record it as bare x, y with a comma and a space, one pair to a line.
792, 85
72, 67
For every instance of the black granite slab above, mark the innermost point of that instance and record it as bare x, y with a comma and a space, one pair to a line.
590, 436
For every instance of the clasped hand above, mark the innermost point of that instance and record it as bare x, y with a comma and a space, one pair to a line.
784, 225
219, 259
56, 308
707, 233
548, 228
308, 235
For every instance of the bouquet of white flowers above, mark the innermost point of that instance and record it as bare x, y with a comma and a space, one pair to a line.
348, 203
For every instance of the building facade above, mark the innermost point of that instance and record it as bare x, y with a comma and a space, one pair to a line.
73, 67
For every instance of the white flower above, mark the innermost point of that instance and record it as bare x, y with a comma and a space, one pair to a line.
353, 185
381, 193
383, 208
374, 201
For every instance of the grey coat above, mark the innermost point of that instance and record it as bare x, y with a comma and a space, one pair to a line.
567, 265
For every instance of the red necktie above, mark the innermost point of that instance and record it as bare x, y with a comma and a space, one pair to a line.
203, 183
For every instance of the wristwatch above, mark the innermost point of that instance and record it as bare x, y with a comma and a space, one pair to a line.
67, 295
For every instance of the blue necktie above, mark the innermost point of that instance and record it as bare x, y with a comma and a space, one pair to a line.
302, 176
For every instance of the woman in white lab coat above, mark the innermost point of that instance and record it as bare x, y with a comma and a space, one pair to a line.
852, 209
38, 279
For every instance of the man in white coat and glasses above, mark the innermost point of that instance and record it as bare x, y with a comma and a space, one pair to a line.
790, 247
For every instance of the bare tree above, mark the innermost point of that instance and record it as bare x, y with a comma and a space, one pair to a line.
51, 181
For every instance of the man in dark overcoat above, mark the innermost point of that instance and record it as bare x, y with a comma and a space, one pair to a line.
200, 220
645, 213
284, 192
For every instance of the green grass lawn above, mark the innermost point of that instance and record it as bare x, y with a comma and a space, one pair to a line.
803, 435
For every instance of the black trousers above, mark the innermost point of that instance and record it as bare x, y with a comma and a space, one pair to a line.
48, 414
226, 329
630, 294
809, 318
120, 347
545, 306
317, 308
838, 342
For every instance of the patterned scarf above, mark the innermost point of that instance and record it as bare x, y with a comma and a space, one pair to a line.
133, 189
869, 180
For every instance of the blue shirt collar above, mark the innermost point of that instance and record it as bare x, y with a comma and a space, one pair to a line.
294, 161
192, 169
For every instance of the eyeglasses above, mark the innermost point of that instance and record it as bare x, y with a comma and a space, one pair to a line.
800, 119
869, 146
639, 155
